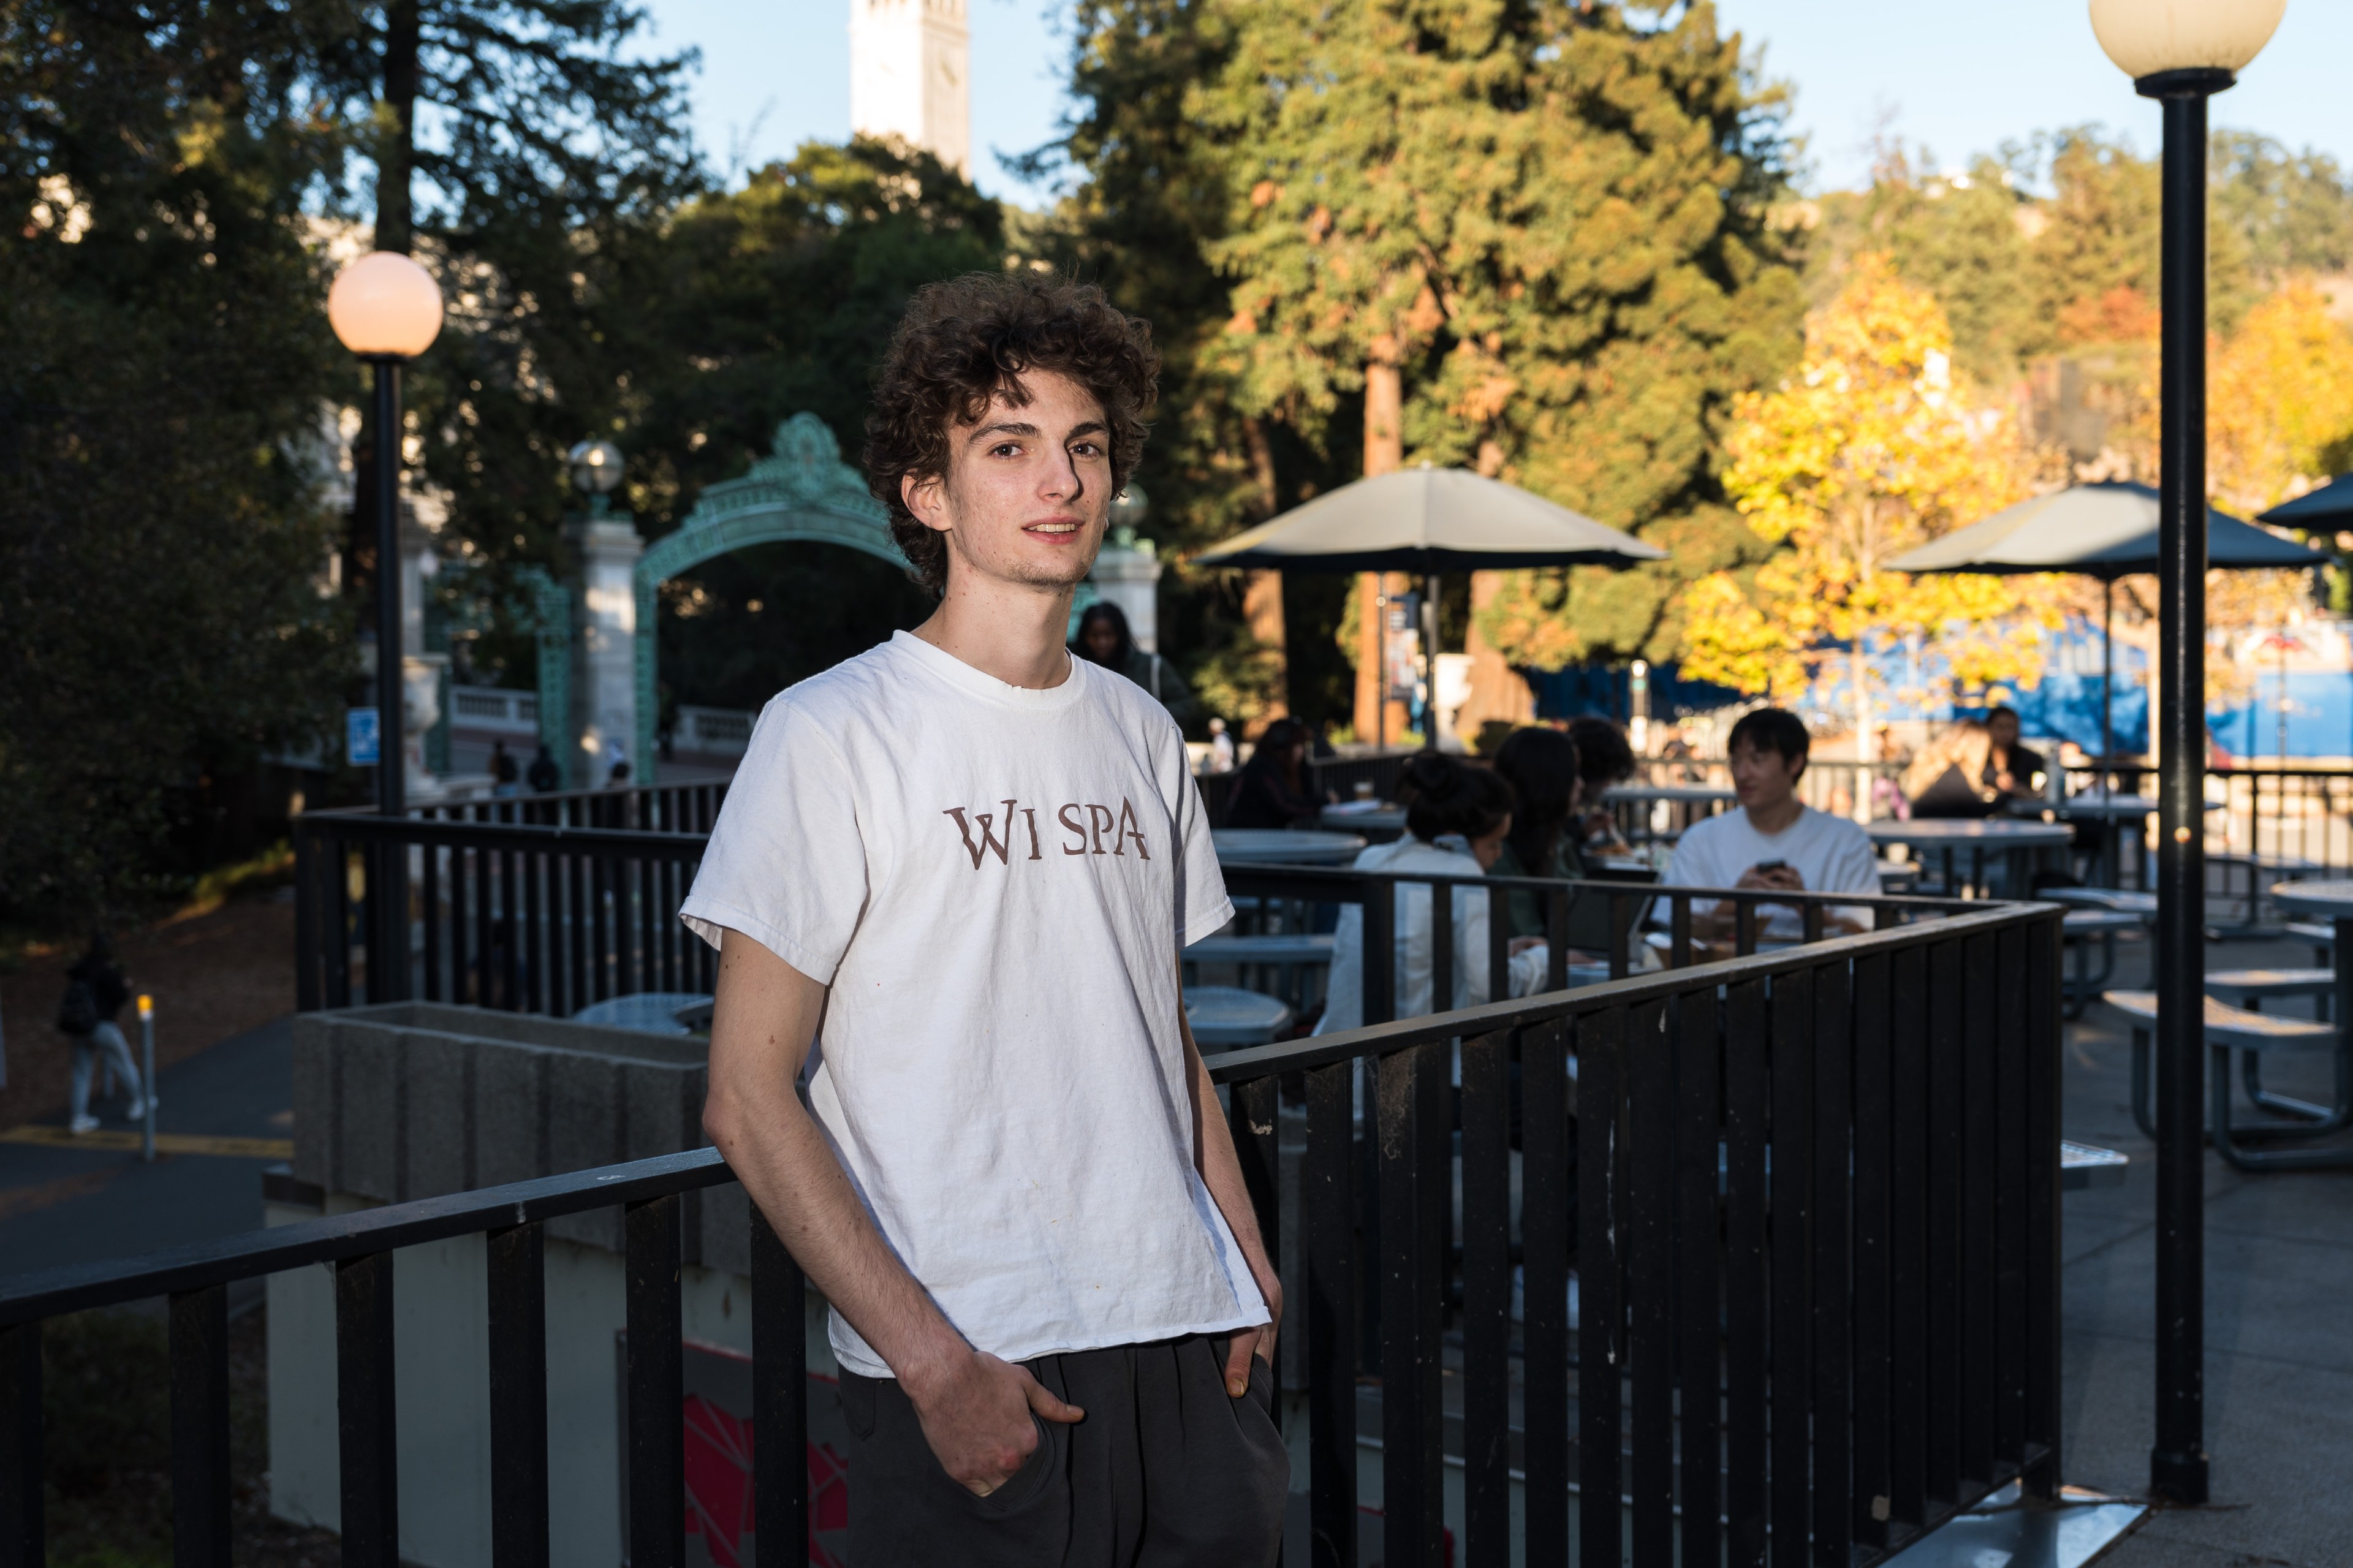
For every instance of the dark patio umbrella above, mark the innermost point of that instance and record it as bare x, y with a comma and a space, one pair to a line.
1427, 521
2329, 507
2106, 530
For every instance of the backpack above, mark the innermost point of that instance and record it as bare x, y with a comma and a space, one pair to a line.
77, 1013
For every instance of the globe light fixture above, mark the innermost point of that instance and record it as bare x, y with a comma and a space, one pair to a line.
2149, 38
388, 309
385, 306
2181, 52
596, 466
1130, 507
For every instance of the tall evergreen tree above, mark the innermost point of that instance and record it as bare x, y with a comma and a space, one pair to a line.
1532, 238
164, 360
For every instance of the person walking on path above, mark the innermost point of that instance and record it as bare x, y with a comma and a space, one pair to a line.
546, 777
506, 774
1103, 638
974, 858
95, 992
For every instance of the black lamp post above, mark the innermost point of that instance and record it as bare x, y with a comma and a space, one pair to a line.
2182, 52
388, 309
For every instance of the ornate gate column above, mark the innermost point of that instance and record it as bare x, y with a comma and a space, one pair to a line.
605, 697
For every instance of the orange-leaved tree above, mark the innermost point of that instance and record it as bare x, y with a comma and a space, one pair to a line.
2279, 400
1873, 447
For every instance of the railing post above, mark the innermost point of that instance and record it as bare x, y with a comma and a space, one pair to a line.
657, 1378
1699, 1308
1486, 1300
22, 1537
518, 1333
2043, 945
1412, 1431
366, 1422
780, 1499
1328, 1216
200, 1477
1648, 1274
1601, 1218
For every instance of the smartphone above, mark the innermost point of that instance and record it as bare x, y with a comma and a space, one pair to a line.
1770, 865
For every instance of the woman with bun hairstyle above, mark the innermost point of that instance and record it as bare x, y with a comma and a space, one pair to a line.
1456, 820
1541, 767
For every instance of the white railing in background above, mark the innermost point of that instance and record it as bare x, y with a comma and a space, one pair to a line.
489, 708
714, 731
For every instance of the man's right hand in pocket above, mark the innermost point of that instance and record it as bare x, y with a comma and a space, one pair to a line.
975, 1412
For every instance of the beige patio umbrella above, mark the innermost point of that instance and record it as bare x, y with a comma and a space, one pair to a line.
1427, 521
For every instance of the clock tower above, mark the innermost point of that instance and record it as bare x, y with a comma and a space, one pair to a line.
909, 74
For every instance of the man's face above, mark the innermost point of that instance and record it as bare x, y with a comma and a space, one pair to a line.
2003, 730
1102, 637
1762, 778
1028, 490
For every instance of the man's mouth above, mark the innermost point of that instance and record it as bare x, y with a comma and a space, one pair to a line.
1053, 526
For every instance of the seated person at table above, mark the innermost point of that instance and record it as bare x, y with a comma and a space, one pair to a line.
2016, 771
1274, 788
1455, 826
1541, 767
1773, 840
1603, 760
1949, 778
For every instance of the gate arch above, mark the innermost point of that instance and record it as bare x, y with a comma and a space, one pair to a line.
801, 491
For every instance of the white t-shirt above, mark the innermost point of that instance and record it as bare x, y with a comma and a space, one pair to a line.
1413, 972
1829, 854
995, 882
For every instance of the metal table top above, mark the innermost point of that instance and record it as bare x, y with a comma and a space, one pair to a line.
2329, 901
649, 1012
1226, 1017
2090, 803
1279, 847
1380, 818
1974, 832
1696, 794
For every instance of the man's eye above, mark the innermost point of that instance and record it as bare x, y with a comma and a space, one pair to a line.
1085, 449
1006, 449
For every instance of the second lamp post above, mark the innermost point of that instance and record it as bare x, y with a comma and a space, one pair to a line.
388, 309
2182, 52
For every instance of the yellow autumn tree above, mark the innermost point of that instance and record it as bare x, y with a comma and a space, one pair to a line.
2279, 401
1873, 447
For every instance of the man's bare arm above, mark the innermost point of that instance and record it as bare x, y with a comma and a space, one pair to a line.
975, 1407
1221, 1172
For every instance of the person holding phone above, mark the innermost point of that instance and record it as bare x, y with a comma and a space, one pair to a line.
1774, 840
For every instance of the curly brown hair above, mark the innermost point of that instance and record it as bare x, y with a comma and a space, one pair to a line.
966, 340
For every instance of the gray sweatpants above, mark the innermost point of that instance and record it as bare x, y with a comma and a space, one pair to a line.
106, 1038
1166, 1471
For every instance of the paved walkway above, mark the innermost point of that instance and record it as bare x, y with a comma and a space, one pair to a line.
2279, 1306
73, 1203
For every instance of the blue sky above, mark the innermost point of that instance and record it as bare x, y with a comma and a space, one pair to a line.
1959, 80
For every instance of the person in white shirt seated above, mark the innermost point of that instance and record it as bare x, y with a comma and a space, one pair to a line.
1773, 840
1455, 825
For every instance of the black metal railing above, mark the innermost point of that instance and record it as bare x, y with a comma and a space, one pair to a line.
549, 916
531, 916
1810, 1197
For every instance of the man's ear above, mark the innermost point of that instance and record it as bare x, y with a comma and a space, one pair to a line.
925, 496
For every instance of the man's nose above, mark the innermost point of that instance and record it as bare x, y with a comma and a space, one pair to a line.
1061, 481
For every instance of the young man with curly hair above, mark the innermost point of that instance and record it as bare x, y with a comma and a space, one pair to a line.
949, 890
